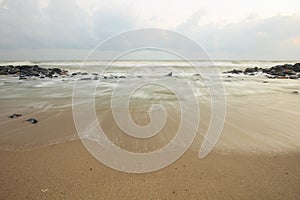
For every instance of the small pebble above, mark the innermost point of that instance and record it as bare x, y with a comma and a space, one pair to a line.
15, 116
44, 190
32, 120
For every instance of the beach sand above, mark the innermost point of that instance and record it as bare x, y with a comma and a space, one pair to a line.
257, 157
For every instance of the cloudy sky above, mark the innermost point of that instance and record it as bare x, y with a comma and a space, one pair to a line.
68, 29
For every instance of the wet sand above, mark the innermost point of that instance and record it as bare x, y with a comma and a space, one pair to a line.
257, 157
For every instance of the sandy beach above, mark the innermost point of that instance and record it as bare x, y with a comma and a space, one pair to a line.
68, 171
257, 156
149, 100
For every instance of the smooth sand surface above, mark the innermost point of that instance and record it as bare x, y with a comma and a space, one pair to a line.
68, 171
257, 157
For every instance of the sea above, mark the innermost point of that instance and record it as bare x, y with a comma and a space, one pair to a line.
145, 81
56, 92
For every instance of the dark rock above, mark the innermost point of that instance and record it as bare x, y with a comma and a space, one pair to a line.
251, 70
265, 71
2, 73
13, 70
287, 66
296, 67
55, 70
289, 72
15, 116
235, 71
170, 74
265, 82
85, 73
295, 92
49, 75
30, 70
282, 74
95, 74
32, 120
122, 76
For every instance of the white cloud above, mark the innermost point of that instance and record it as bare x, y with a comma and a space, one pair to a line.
253, 38
232, 29
57, 24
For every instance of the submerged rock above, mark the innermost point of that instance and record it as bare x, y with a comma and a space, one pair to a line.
85, 79
75, 73
170, 74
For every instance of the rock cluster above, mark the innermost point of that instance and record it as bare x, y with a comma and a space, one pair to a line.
31, 120
279, 71
24, 71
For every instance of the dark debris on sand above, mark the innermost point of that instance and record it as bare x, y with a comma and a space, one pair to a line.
32, 120
13, 116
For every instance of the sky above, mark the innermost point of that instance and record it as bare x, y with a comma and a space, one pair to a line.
69, 29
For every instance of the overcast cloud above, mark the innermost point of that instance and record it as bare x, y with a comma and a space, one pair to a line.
33, 25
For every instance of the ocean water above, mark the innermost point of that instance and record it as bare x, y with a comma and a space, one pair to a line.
38, 95
57, 92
